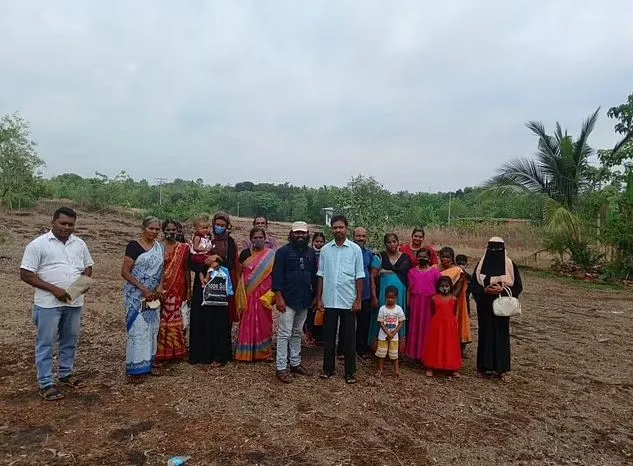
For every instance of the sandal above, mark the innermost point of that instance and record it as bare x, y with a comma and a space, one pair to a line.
350, 379
325, 375
155, 371
50, 393
71, 381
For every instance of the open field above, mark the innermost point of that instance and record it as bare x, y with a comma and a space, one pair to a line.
569, 400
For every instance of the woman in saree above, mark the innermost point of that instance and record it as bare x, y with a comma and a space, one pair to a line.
253, 297
415, 244
390, 268
176, 288
449, 268
492, 274
143, 271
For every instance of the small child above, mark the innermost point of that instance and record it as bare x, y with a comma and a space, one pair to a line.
391, 318
201, 244
462, 261
442, 349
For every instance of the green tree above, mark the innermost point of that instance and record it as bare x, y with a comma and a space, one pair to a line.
559, 172
19, 161
367, 203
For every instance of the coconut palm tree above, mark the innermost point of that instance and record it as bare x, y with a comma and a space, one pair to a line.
559, 171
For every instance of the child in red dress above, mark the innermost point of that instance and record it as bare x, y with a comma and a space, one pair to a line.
442, 350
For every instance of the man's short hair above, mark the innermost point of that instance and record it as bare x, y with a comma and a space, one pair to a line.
339, 218
67, 211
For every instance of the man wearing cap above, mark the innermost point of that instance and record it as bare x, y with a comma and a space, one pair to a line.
294, 285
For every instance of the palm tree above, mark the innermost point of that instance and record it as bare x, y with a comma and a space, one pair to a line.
559, 171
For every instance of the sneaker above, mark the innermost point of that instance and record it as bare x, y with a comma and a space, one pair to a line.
325, 375
284, 376
350, 379
300, 370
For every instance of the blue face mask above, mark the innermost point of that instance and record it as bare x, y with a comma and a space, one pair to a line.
219, 230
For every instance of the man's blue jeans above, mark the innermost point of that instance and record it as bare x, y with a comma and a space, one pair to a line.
50, 322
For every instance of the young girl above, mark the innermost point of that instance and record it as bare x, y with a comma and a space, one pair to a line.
391, 319
442, 350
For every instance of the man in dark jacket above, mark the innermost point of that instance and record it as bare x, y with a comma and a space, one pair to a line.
294, 280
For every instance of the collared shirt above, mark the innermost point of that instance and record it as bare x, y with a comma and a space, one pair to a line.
294, 275
340, 267
57, 263
368, 256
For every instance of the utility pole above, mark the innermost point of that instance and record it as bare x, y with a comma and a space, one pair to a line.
450, 198
160, 182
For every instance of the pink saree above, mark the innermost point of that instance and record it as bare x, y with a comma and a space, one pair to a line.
256, 322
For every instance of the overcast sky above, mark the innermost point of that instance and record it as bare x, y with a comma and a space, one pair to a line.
421, 95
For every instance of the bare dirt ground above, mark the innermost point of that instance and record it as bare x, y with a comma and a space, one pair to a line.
569, 400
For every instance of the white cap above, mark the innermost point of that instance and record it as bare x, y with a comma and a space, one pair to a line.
300, 226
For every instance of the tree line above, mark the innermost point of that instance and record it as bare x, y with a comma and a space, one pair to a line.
580, 205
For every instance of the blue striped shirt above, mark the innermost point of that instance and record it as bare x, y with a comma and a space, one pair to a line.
340, 267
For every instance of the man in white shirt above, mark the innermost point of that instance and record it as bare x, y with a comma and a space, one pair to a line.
340, 283
51, 263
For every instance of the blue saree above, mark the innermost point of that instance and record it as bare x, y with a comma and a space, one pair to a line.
142, 325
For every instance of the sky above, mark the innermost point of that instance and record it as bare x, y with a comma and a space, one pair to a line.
424, 96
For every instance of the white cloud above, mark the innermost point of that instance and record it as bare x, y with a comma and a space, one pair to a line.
414, 93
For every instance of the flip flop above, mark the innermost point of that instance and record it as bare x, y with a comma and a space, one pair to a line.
71, 381
50, 393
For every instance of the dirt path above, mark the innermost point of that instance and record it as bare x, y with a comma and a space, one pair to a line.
569, 401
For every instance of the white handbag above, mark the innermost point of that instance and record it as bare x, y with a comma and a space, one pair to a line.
506, 306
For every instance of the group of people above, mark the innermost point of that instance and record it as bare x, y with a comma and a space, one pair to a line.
406, 300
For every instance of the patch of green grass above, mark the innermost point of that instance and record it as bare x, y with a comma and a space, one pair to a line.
602, 285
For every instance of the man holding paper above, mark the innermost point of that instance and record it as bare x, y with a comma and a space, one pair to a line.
58, 265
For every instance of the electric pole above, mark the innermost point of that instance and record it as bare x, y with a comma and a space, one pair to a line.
160, 182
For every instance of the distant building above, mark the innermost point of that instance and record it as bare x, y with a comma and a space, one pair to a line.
329, 212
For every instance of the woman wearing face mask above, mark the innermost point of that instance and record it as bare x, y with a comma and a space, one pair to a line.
176, 286
201, 349
494, 272
224, 246
253, 297
422, 287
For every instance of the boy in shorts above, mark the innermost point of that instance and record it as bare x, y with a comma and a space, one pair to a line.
390, 318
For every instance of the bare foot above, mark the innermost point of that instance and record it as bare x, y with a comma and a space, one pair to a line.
429, 373
457, 375
379, 374
397, 373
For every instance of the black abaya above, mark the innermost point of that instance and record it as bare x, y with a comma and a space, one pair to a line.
209, 330
493, 343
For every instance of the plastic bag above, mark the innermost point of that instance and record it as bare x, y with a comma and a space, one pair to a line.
185, 314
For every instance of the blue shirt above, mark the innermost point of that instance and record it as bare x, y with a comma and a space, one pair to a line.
340, 267
294, 275
368, 257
